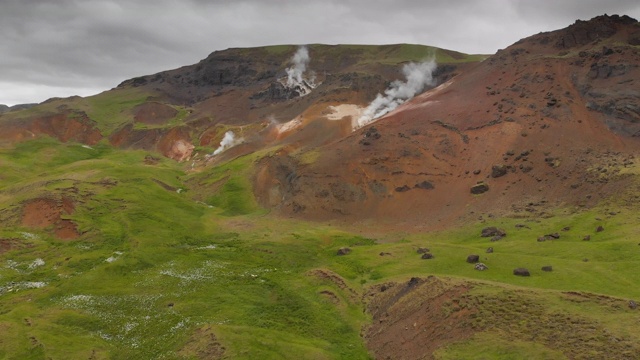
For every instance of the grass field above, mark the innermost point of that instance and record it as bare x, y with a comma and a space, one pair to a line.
155, 274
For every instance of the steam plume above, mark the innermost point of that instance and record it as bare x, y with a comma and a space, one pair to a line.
299, 62
228, 141
417, 77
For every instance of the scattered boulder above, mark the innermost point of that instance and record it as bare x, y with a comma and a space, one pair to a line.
480, 267
479, 188
425, 185
492, 231
489, 250
632, 305
586, 238
344, 251
151, 160
472, 259
599, 228
498, 171
385, 254
547, 268
427, 256
566, 228
422, 250
522, 226
476, 172
496, 238
521, 272
546, 237
403, 188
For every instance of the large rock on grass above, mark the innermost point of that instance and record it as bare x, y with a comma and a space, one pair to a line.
493, 231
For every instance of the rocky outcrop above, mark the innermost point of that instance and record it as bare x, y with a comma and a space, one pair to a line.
585, 32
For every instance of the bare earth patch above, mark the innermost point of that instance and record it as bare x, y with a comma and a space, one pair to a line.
44, 212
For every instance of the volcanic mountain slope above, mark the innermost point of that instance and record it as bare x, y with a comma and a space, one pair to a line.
248, 91
111, 251
550, 121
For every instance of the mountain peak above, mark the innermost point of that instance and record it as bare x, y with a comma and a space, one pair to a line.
600, 28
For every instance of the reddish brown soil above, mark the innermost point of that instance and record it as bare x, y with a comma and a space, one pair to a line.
203, 344
412, 320
541, 110
174, 143
44, 212
65, 126
154, 113
334, 279
8, 244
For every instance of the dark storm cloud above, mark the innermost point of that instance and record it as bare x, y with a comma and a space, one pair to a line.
65, 47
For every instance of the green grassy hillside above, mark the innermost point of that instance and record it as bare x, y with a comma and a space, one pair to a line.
160, 270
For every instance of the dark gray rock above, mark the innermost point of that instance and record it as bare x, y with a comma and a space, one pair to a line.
344, 251
422, 250
427, 256
472, 259
403, 188
489, 250
425, 185
479, 188
521, 272
498, 171
547, 268
492, 231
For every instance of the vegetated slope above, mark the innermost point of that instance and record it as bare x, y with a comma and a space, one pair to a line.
112, 252
549, 121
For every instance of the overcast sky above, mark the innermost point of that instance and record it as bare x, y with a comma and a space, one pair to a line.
82, 47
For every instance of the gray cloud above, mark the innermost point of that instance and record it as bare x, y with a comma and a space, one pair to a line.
71, 47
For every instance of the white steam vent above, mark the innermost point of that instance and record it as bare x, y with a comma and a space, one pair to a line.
296, 78
418, 75
229, 140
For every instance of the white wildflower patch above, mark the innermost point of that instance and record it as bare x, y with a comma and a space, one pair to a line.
84, 246
29, 236
36, 263
34, 284
133, 321
208, 247
116, 255
22, 285
12, 264
207, 271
